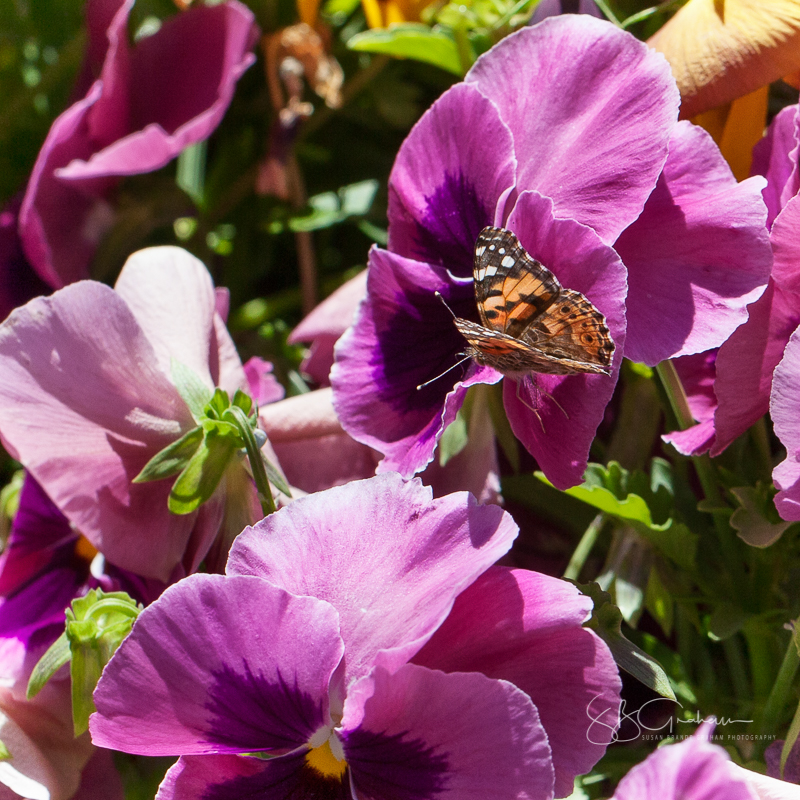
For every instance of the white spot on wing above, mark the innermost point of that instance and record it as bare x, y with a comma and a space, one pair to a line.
480, 274
507, 262
491, 247
490, 272
479, 251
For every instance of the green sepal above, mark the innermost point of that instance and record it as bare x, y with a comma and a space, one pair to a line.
239, 418
606, 622
96, 624
217, 405
191, 388
51, 662
5, 753
275, 477
172, 459
202, 474
245, 402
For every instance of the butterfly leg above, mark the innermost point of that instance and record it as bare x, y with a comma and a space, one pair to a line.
537, 390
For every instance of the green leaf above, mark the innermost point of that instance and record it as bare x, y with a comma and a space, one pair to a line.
454, 439
331, 208
606, 622
756, 521
202, 474
191, 388
411, 40
610, 489
172, 459
56, 656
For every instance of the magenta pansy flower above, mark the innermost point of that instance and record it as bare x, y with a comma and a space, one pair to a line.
44, 566
565, 133
150, 101
696, 769
87, 399
397, 663
731, 389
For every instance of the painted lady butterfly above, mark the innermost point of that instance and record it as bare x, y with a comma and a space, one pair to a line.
529, 321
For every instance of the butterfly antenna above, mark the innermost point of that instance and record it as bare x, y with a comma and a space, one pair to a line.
441, 374
444, 303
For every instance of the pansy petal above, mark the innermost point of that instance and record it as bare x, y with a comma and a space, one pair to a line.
171, 294
223, 670
591, 110
227, 777
402, 338
393, 590
85, 413
447, 180
568, 409
784, 404
775, 157
510, 619
262, 384
697, 255
693, 769
435, 736
784, 238
183, 78
717, 56
746, 362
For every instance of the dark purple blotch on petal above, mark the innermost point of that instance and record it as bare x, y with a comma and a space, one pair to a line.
245, 705
396, 767
285, 778
455, 216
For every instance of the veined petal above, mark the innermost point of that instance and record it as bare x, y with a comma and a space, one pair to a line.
784, 403
403, 337
182, 81
510, 619
449, 175
570, 407
775, 157
171, 294
224, 777
697, 256
392, 590
590, 109
85, 412
223, 670
431, 736
693, 769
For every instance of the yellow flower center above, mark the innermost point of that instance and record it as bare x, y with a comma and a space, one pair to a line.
325, 762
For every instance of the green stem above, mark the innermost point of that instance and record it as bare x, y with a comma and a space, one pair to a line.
737, 665
606, 9
761, 443
256, 460
584, 547
781, 688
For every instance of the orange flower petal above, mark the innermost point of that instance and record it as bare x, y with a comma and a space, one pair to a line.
726, 49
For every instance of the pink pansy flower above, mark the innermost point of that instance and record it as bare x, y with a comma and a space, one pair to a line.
695, 769
44, 566
325, 324
151, 100
566, 133
729, 389
397, 663
86, 400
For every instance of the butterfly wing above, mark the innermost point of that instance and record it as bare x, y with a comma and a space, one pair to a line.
530, 321
573, 330
511, 288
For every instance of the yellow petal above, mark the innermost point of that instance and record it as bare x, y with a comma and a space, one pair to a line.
726, 49
373, 13
736, 127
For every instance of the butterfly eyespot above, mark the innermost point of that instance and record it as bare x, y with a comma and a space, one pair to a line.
565, 309
588, 338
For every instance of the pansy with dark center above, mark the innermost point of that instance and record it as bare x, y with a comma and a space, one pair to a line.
394, 667
565, 133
